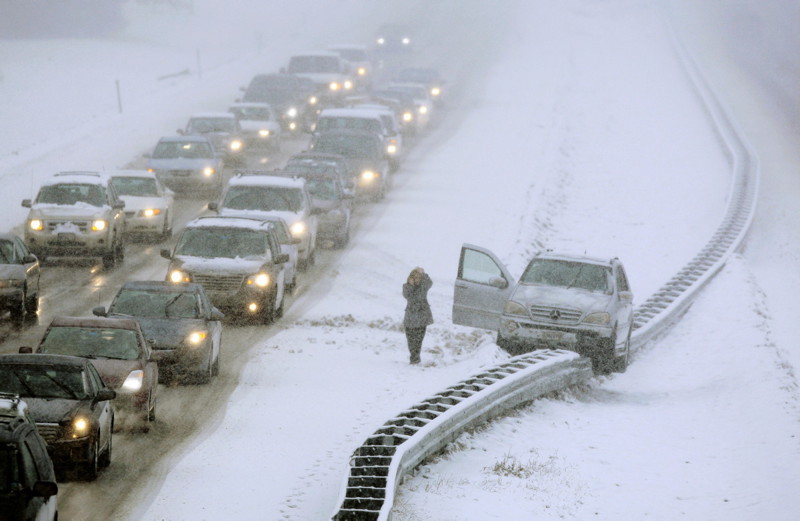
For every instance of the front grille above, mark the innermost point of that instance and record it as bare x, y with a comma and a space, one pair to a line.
82, 226
130, 215
51, 432
219, 282
180, 173
555, 315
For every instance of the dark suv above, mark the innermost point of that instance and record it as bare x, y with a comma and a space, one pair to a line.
28, 489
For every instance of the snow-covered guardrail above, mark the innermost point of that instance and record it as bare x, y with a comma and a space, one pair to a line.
402, 443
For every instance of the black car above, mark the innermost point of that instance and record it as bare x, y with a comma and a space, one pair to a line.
28, 489
71, 405
365, 152
182, 325
294, 99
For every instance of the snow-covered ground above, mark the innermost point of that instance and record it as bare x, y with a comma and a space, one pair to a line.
577, 130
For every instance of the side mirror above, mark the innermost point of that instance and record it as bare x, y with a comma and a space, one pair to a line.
45, 489
316, 210
282, 258
626, 295
25, 350
118, 205
166, 254
180, 131
213, 206
104, 395
498, 282
99, 311
29, 259
26, 203
217, 314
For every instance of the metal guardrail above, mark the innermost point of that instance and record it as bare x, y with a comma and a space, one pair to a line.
402, 443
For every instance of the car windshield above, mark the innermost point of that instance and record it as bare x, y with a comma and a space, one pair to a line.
183, 149
229, 243
568, 274
6, 251
91, 342
135, 186
43, 381
325, 124
324, 189
346, 145
72, 194
353, 55
252, 113
205, 125
156, 303
313, 64
264, 199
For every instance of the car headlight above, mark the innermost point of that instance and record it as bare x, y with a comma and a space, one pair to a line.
391, 149
436, 91
312, 100
208, 171
362, 71
292, 112
264, 132
99, 225
178, 276
149, 212
368, 176
600, 318
292, 126
406, 41
196, 338
11, 283
134, 381
408, 116
79, 428
334, 85
348, 85
298, 229
36, 224
515, 308
380, 41
259, 279
235, 145
423, 109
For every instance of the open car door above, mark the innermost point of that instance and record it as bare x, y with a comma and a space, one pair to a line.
482, 287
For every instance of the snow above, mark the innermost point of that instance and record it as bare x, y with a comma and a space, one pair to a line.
576, 131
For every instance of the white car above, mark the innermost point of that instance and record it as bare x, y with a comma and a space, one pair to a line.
358, 57
422, 100
261, 129
290, 246
330, 72
148, 203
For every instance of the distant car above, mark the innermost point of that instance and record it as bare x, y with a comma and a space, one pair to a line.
367, 118
258, 193
294, 99
331, 74
224, 131
148, 203
289, 246
19, 279
423, 102
28, 488
366, 153
427, 76
180, 322
404, 107
359, 59
120, 353
76, 214
318, 162
393, 133
187, 164
71, 405
238, 261
576, 302
393, 37
261, 129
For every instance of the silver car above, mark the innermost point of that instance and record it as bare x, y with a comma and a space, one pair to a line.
575, 302
187, 164
19, 279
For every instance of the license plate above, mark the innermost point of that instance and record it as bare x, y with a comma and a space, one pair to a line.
66, 237
552, 336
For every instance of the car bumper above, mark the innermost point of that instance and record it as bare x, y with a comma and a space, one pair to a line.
71, 244
181, 360
10, 297
189, 180
584, 339
244, 301
145, 224
331, 227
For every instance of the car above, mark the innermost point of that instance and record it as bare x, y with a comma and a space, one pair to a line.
148, 203
318, 162
237, 260
331, 74
294, 99
261, 129
335, 203
120, 353
187, 164
427, 76
404, 107
224, 131
358, 58
28, 488
260, 193
423, 103
20, 274
71, 405
393, 134
577, 302
180, 322
368, 118
366, 153
393, 38
289, 246
76, 214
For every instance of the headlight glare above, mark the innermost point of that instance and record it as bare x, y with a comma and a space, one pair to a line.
80, 427
208, 171
263, 132
149, 212
292, 112
259, 279
196, 337
37, 224
298, 228
236, 145
177, 276
99, 225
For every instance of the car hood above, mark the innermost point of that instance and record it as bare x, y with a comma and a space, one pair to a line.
218, 266
554, 296
114, 372
181, 163
322, 77
253, 126
289, 217
68, 211
134, 203
12, 271
169, 332
53, 410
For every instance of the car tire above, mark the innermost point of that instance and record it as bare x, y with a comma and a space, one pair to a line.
342, 240
203, 377
18, 312
621, 362
32, 304
506, 345
267, 315
91, 469
215, 366
151, 414
166, 233
104, 459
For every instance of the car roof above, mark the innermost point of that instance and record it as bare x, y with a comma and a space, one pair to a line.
221, 221
111, 323
44, 359
77, 177
575, 257
131, 173
192, 287
225, 115
319, 156
259, 104
189, 137
350, 112
265, 178
315, 53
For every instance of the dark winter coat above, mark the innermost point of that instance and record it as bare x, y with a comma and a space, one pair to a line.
418, 311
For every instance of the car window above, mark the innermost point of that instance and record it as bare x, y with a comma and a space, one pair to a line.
36, 381
95, 381
20, 249
222, 243
72, 194
568, 274
182, 149
324, 189
313, 64
204, 125
345, 145
135, 186
346, 123
6, 252
156, 304
478, 267
264, 199
91, 342
251, 113
622, 280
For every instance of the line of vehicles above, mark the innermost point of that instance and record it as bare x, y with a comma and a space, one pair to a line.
62, 399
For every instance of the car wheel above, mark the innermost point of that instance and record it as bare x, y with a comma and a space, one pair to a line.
204, 376
92, 466
215, 366
268, 310
312, 258
104, 459
166, 233
621, 362
603, 356
279, 310
341, 241
151, 414
32, 304
18, 312
506, 345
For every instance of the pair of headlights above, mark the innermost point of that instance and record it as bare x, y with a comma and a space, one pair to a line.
98, 225
260, 280
516, 309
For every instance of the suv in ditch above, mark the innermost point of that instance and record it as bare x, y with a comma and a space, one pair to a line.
576, 302
238, 261
77, 214
28, 489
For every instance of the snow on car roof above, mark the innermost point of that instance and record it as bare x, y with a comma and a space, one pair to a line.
315, 53
225, 115
568, 256
86, 178
130, 173
362, 112
228, 222
188, 137
267, 179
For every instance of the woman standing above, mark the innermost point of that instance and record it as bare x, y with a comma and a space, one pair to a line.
418, 314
